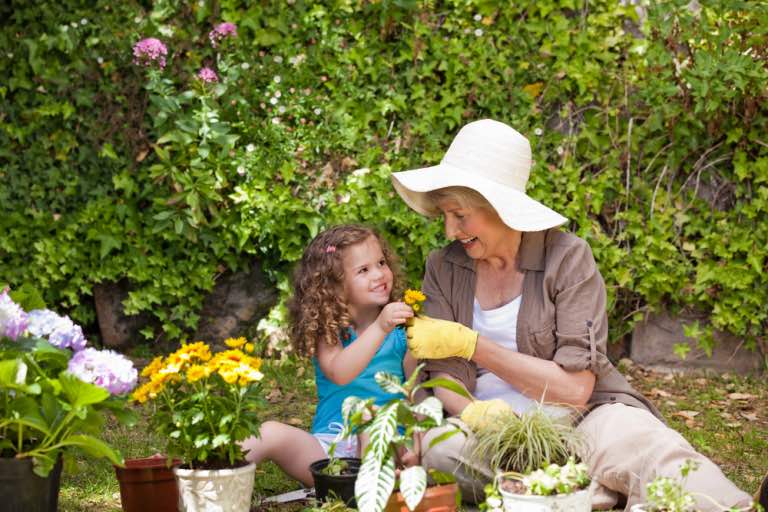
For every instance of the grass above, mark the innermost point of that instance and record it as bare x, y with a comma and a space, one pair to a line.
725, 417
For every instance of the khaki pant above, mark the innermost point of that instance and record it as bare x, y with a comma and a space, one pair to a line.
628, 447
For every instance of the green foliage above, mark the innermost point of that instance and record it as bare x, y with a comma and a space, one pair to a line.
390, 429
47, 412
647, 132
527, 442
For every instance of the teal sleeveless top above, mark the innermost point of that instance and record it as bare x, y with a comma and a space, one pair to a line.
330, 396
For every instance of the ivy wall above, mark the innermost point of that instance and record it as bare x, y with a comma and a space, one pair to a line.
648, 125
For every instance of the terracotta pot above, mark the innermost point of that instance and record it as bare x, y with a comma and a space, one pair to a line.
437, 498
226, 490
148, 485
21, 490
343, 486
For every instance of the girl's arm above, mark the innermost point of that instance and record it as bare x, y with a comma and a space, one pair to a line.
342, 364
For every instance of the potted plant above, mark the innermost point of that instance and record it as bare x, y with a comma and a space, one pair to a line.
147, 484
336, 476
665, 494
54, 395
204, 404
534, 455
391, 430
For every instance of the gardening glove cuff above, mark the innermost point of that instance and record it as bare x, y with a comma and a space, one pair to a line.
430, 338
481, 413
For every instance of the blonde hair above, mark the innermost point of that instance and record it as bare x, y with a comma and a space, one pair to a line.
317, 312
465, 196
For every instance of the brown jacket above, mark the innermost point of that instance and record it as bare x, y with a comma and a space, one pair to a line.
562, 315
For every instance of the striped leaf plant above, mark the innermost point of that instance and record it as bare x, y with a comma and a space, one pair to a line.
392, 430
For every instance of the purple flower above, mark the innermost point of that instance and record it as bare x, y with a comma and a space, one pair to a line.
207, 75
148, 51
104, 368
60, 331
13, 319
221, 32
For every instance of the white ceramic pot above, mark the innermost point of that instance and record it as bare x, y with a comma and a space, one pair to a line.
579, 501
638, 507
215, 490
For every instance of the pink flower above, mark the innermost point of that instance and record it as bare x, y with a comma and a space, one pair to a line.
221, 32
148, 51
207, 75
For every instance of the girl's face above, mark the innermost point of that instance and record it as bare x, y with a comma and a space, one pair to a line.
367, 276
481, 233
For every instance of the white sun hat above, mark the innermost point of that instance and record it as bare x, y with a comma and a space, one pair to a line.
491, 158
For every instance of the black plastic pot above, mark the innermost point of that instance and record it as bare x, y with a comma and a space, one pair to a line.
343, 486
23, 491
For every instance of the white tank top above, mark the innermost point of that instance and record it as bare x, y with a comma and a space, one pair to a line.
499, 325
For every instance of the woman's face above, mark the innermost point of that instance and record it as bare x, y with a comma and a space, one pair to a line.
481, 232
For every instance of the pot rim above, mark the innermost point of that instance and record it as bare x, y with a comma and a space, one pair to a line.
186, 472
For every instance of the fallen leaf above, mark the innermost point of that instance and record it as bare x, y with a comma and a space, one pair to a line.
669, 376
274, 396
295, 422
671, 403
751, 416
660, 393
534, 89
735, 424
688, 415
703, 382
726, 415
740, 396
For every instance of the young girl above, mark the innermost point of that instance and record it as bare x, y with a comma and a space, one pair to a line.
343, 315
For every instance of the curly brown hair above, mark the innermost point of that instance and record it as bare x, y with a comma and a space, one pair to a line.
317, 310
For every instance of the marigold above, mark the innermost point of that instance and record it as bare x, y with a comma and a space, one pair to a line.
197, 372
412, 297
152, 367
235, 342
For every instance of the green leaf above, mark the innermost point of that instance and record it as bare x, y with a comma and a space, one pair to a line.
448, 384
413, 484
95, 447
389, 383
81, 393
431, 407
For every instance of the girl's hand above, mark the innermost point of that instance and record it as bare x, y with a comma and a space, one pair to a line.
394, 314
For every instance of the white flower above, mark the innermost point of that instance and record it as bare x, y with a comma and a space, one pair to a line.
493, 501
99, 60
245, 65
298, 59
10, 55
201, 3
478, 17
538, 132
318, 111
278, 79
275, 120
345, 198
278, 94
467, 30
137, 19
74, 24
84, 21
278, 59
273, 100
478, 32
241, 170
166, 30
250, 148
560, 150
64, 28
281, 109
361, 172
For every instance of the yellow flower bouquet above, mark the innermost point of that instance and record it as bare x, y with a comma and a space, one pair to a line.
204, 403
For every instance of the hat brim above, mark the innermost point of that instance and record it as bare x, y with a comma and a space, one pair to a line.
516, 209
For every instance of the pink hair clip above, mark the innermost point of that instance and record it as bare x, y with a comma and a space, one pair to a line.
330, 248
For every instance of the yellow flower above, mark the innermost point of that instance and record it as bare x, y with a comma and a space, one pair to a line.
416, 308
152, 367
412, 297
197, 372
235, 342
249, 347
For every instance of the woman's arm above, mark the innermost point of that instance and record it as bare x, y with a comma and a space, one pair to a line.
535, 378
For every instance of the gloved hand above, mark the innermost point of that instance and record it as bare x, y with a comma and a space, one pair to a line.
429, 338
481, 413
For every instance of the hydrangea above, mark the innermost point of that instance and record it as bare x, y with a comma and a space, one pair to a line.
221, 32
60, 331
13, 319
207, 75
148, 51
104, 368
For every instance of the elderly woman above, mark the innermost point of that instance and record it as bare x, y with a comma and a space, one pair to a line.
517, 314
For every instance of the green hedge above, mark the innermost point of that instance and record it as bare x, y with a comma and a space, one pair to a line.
648, 128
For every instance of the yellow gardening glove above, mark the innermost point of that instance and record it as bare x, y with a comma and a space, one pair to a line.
481, 413
429, 338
